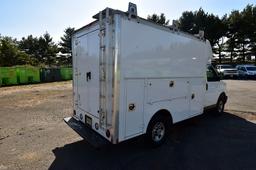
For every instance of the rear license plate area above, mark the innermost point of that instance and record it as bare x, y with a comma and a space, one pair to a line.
88, 121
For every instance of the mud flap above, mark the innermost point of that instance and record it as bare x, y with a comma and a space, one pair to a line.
85, 132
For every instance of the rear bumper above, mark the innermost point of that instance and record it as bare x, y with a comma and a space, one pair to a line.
87, 133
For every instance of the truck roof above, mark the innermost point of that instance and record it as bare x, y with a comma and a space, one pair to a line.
145, 21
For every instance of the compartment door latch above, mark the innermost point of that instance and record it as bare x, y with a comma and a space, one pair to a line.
88, 76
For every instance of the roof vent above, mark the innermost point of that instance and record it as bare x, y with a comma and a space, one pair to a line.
175, 24
200, 35
132, 10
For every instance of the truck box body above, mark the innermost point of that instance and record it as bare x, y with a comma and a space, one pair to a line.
126, 69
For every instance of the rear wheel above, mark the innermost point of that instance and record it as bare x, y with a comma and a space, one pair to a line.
157, 130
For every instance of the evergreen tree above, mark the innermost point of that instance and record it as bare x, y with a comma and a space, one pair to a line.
214, 28
30, 45
161, 19
47, 50
10, 54
66, 46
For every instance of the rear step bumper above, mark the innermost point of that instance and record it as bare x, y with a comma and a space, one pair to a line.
87, 133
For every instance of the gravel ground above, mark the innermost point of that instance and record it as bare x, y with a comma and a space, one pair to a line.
34, 136
31, 124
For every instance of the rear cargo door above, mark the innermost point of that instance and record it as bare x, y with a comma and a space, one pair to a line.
88, 72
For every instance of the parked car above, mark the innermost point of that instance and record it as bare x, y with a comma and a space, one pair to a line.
246, 71
226, 70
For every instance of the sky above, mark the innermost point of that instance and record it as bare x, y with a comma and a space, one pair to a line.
20, 18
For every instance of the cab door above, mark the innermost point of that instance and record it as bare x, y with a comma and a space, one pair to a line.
212, 87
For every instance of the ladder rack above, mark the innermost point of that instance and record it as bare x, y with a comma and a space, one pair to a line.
103, 66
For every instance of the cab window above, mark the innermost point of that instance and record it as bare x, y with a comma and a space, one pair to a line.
211, 74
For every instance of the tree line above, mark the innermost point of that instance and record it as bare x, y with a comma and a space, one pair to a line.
232, 36
36, 51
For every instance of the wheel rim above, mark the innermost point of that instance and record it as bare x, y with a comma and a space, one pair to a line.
220, 106
158, 132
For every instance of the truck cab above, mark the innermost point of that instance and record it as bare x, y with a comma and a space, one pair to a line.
215, 89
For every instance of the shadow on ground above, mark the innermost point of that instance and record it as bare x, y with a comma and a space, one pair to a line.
204, 142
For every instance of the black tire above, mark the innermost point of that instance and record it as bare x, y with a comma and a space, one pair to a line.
157, 130
220, 105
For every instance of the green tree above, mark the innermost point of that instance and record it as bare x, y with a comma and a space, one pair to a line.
192, 22
30, 45
10, 54
248, 32
42, 50
187, 22
66, 46
161, 19
244, 32
241, 33
253, 34
214, 28
47, 50
230, 47
216, 33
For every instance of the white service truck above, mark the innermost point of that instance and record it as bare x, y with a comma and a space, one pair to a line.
133, 77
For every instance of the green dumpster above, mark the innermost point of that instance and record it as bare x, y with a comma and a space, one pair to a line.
50, 74
8, 76
27, 74
0, 78
66, 73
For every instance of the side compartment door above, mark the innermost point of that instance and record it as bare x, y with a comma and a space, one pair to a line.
134, 115
197, 93
170, 94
